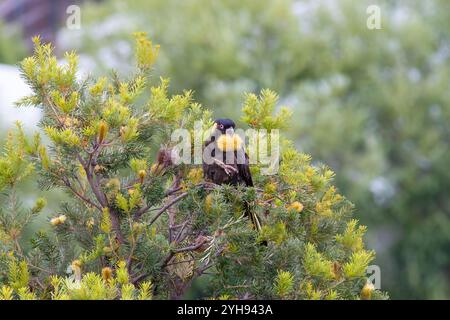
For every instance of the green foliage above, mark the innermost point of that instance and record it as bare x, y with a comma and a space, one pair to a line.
284, 283
11, 47
18, 274
14, 166
357, 264
315, 264
258, 111
373, 104
139, 226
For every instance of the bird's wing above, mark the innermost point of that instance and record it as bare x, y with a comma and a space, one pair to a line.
207, 167
244, 170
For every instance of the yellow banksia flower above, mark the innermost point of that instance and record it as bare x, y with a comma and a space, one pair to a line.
209, 202
366, 292
297, 206
58, 220
142, 174
337, 270
76, 268
107, 273
102, 131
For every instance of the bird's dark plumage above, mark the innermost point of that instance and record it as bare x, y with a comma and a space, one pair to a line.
228, 165
236, 159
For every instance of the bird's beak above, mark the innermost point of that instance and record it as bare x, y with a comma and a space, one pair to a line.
230, 131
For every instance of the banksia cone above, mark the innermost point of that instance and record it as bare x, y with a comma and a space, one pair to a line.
297, 206
76, 268
58, 220
107, 273
366, 292
142, 174
102, 131
337, 270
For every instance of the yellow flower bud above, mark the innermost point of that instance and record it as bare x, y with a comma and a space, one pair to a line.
297, 206
107, 273
142, 174
76, 268
366, 292
58, 220
102, 131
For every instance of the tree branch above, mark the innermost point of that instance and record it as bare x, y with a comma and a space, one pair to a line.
167, 206
79, 195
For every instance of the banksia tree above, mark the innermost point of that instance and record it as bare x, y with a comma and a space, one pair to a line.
138, 224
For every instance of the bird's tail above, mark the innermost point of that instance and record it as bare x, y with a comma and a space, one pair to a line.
251, 214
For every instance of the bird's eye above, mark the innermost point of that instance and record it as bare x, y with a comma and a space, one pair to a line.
221, 126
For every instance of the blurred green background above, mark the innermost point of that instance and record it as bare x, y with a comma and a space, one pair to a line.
372, 104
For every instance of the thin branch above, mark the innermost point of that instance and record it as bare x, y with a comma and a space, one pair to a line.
190, 248
79, 195
180, 233
167, 206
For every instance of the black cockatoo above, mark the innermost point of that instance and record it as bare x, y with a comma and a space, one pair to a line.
226, 162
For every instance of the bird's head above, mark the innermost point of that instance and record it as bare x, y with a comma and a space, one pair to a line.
225, 126
228, 141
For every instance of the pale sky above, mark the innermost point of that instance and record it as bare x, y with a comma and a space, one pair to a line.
12, 88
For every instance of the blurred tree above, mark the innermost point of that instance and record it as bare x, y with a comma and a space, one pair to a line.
374, 104
11, 48
135, 230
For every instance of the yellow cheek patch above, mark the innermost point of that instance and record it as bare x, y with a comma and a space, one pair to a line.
229, 143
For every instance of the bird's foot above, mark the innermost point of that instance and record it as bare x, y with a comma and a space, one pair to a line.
227, 168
